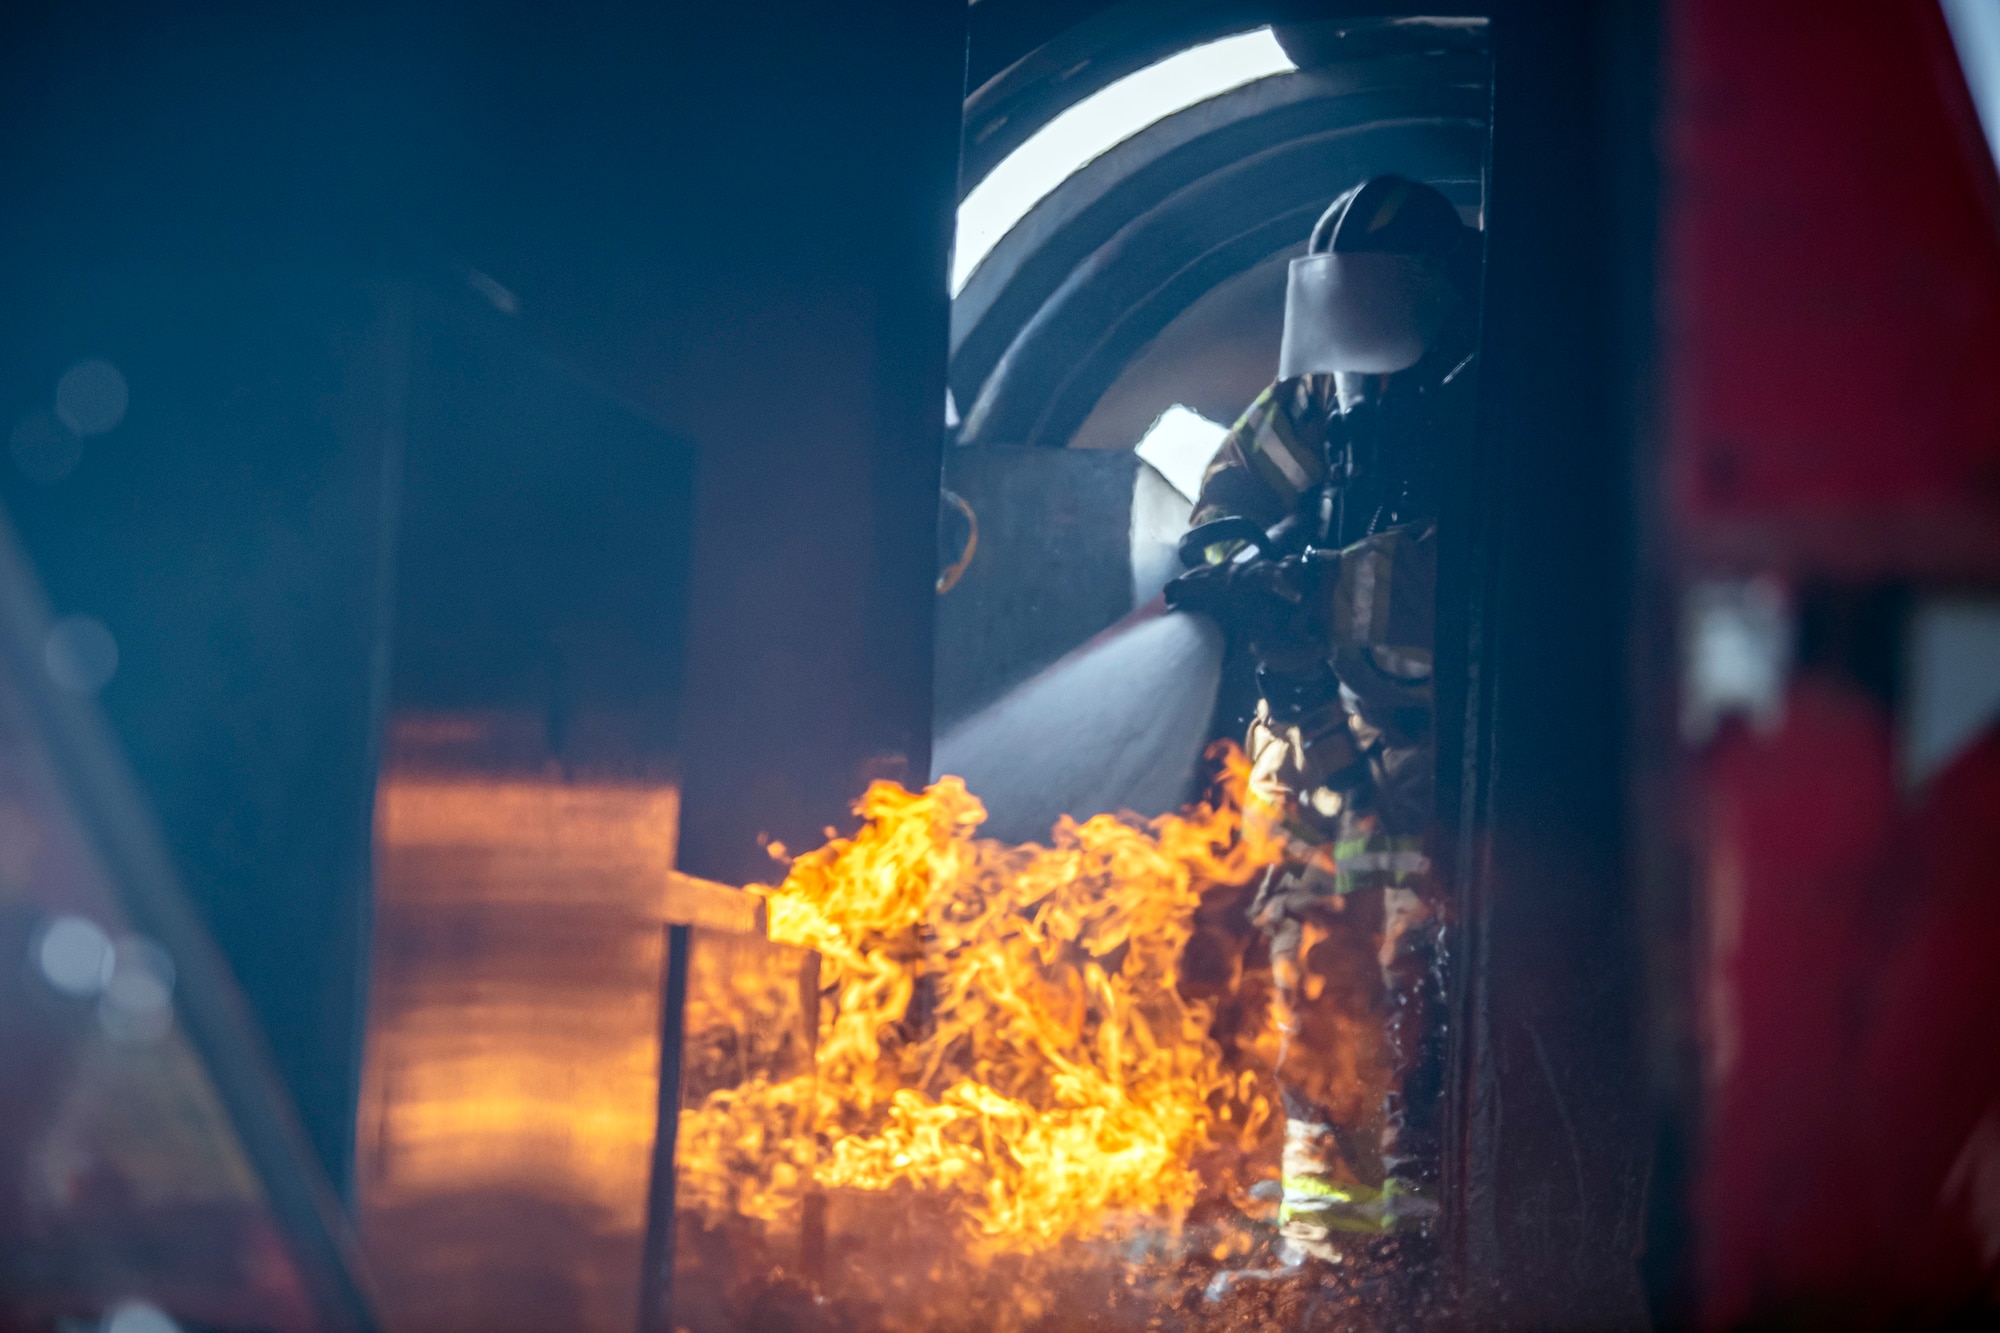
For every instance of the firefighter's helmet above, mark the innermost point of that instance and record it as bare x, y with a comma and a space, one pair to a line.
1375, 287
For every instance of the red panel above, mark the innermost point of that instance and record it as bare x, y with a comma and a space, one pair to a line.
1850, 1018
1929, 1072
1798, 830
1831, 288
1833, 311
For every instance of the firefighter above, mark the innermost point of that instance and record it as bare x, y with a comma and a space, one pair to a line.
1315, 544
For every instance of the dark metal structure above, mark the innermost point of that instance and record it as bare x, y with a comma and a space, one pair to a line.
1073, 293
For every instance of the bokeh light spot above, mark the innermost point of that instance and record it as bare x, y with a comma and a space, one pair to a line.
43, 448
75, 956
142, 977
91, 397
139, 1317
80, 654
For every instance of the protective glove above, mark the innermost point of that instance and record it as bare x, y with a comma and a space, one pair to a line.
1272, 606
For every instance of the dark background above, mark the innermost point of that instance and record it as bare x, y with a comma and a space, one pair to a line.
711, 243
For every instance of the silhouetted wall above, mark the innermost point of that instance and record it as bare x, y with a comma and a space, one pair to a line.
731, 219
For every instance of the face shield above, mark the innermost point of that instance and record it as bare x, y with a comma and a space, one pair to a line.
1362, 312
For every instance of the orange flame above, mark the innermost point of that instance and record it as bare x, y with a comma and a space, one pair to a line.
999, 1026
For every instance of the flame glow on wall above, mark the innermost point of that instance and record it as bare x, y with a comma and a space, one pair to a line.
507, 1112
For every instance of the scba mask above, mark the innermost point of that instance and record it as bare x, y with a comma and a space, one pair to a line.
1374, 290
